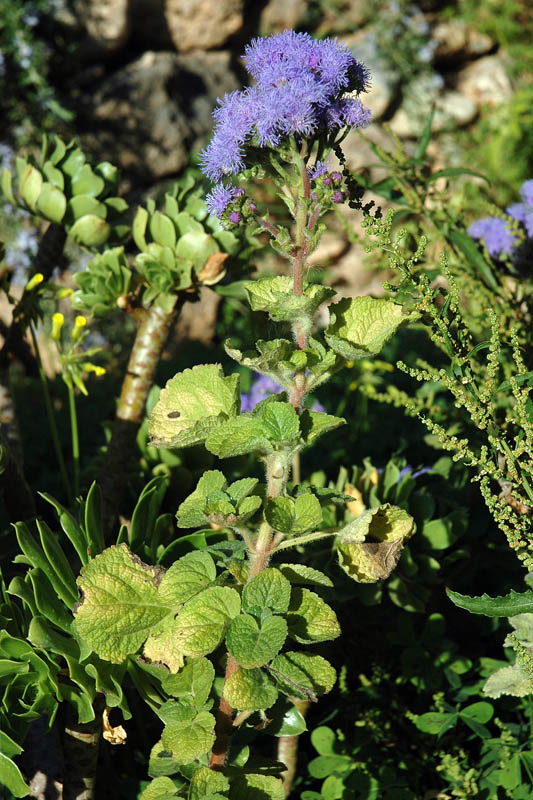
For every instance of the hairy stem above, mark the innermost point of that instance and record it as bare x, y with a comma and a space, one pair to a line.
80, 751
145, 354
288, 750
277, 474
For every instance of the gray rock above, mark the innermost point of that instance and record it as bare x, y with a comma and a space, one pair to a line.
456, 39
149, 116
485, 82
202, 24
106, 21
280, 15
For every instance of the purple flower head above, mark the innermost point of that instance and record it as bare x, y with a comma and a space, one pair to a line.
298, 81
495, 234
336, 176
524, 214
234, 216
218, 199
337, 196
526, 192
262, 387
319, 169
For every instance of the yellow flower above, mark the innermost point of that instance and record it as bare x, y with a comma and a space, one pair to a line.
79, 324
34, 281
57, 323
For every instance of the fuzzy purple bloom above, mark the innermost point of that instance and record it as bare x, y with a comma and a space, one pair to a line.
298, 81
319, 169
234, 216
218, 199
495, 234
526, 192
523, 212
263, 387
337, 196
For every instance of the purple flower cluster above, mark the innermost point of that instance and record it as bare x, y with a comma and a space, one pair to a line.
497, 234
300, 89
262, 387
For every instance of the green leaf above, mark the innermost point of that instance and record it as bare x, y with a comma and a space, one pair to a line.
196, 247
511, 680
48, 602
270, 589
470, 249
280, 422
206, 781
276, 297
162, 230
323, 740
58, 561
369, 547
190, 739
452, 172
191, 512
161, 762
300, 573
36, 556
480, 712
201, 626
138, 229
285, 719
256, 787
51, 203
194, 680
438, 534
435, 723
314, 423
192, 403
161, 788
249, 690
163, 647
90, 230
290, 515
239, 490
6, 186
506, 606
188, 576
237, 436
361, 326
11, 777
253, 645
310, 619
30, 185
94, 526
120, 603
85, 181
303, 674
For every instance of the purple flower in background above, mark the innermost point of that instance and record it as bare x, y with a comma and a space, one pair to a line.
408, 470
523, 212
496, 235
526, 192
298, 81
262, 387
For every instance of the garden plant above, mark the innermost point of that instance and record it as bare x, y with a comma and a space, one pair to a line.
225, 567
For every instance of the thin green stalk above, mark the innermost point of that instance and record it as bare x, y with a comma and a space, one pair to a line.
75, 437
51, 419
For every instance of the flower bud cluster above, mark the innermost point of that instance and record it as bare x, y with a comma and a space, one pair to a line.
230, 204
326, 186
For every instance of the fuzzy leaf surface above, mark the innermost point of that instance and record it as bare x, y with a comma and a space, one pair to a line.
189, 739
300, 573
192, 403
270, 589
305, 671
297, 515
249, 690
310, 619
201, 626
253, 644
194, 680
360, 326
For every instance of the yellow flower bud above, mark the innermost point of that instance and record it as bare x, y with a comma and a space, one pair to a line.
57, 323
98, 371
79, 324
34, 281
64, 293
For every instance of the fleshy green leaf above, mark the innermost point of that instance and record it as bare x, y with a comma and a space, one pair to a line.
360, 326
201, 625
249, 690
310, 619
120, 603
11, 777
90, 230
51, 203
192, 403
303, 674
506, 606
300, 573
190, 739
253, 644
270, 589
